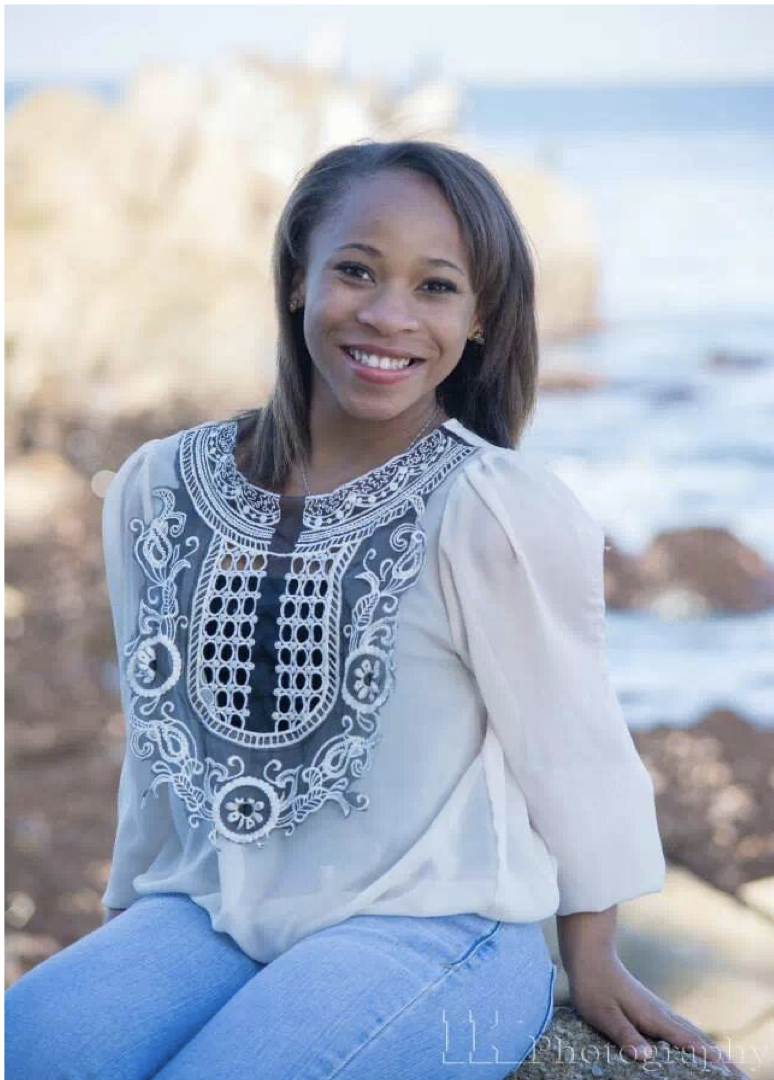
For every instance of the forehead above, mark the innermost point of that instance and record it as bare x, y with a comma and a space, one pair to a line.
399, 205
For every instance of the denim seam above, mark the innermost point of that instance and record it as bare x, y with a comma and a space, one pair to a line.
546, 1019
387, 1022
449, 968
475, 946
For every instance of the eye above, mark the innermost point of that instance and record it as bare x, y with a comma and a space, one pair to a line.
447, 286
352, 266
352, 270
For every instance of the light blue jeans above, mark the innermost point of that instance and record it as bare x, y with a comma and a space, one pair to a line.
156, 992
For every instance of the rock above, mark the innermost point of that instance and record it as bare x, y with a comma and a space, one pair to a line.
714, 784
737, 361
710, 958
707, 956
36, 946
712, 564
670, 394
19, 909
760, 894
55, 167
686, 573
432, 101
570, 1048
623, 583
23, 950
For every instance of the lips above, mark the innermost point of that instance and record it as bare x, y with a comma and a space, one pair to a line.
382, 350
380, 375
351, 349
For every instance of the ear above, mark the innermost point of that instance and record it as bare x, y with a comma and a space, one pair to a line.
475, 324
297, 282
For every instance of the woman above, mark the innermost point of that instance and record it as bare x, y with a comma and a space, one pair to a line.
372, 740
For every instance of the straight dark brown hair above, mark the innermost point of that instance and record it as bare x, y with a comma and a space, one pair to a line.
492, 390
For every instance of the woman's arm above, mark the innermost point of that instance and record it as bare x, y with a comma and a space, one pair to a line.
610, 999
521, 565
584, 934
144, 826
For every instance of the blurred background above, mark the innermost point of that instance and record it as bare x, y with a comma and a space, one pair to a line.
148, 153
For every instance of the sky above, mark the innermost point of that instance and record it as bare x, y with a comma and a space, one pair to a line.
486, 43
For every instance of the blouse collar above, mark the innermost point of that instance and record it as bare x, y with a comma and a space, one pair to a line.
232, 504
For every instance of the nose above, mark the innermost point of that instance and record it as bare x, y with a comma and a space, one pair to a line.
389, 311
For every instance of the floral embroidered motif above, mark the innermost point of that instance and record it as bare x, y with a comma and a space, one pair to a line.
246, 810
356, 551
368, 678
154, 662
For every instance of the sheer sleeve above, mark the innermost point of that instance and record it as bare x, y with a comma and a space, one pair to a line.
521, 565
141, 831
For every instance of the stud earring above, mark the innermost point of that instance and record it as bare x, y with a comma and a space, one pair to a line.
294, 304
477, 336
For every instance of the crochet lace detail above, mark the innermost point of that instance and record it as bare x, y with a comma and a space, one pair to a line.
335, 612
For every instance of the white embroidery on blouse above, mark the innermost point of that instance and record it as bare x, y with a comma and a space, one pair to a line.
220, 493
327, 675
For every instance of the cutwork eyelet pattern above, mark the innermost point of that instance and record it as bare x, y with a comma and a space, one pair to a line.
259, 703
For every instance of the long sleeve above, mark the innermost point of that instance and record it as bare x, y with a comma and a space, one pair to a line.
521, 567
141, 831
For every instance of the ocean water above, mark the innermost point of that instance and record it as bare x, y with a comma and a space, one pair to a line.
679, 183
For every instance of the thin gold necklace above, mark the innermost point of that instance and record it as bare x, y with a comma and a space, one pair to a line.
416, 438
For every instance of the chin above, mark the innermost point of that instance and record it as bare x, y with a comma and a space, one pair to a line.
374, 409
374, 412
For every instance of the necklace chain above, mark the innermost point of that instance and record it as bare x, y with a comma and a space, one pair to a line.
416, 439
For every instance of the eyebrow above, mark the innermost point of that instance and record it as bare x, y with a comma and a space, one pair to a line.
371, 250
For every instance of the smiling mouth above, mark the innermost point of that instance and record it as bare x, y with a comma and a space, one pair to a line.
380, 363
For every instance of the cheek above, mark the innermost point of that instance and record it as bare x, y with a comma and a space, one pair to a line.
326, 314
451, 330
329, 301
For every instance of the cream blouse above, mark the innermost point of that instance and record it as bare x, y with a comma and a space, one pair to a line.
393, 698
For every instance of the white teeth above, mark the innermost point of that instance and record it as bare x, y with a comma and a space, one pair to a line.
384, 362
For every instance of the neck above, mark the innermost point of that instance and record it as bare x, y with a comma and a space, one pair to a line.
345, 446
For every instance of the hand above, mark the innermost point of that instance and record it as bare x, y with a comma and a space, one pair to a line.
610, 999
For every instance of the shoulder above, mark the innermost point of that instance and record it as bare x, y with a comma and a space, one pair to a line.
515, 492
510, 522
150, 465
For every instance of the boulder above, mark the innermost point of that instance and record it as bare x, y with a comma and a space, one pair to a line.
714, 787
689, 572
572, 1050
710, 563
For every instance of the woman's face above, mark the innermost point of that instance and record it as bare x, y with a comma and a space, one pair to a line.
387, 275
